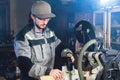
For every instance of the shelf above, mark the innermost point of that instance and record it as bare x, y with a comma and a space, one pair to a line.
116, 26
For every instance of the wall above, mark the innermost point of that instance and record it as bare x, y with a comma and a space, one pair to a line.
84, 16
19, 13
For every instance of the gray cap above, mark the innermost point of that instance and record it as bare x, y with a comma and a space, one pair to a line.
42, 9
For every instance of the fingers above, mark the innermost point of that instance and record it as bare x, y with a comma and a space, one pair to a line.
47, 78
57, 74
72, 58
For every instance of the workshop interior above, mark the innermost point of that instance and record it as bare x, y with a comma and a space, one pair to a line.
91, 28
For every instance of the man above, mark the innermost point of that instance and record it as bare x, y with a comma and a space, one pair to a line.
35, 46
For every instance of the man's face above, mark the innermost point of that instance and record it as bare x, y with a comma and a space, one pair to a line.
41, 23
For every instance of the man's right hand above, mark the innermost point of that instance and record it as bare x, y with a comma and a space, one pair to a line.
47, 78
57, 74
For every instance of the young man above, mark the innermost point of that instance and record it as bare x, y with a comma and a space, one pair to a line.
35, 46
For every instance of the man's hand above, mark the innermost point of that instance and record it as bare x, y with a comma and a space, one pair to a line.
71, 56
56, 74
47, 78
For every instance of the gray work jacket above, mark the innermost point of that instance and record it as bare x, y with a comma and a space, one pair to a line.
38, 47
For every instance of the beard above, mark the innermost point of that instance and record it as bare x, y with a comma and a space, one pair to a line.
42, 26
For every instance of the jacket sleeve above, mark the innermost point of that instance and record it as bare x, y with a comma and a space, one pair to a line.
23, 54
65, 52
64, 49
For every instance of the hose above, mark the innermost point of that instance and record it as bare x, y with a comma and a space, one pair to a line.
85, 47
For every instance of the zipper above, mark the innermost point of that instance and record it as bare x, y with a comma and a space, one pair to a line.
50, 49
42, 51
